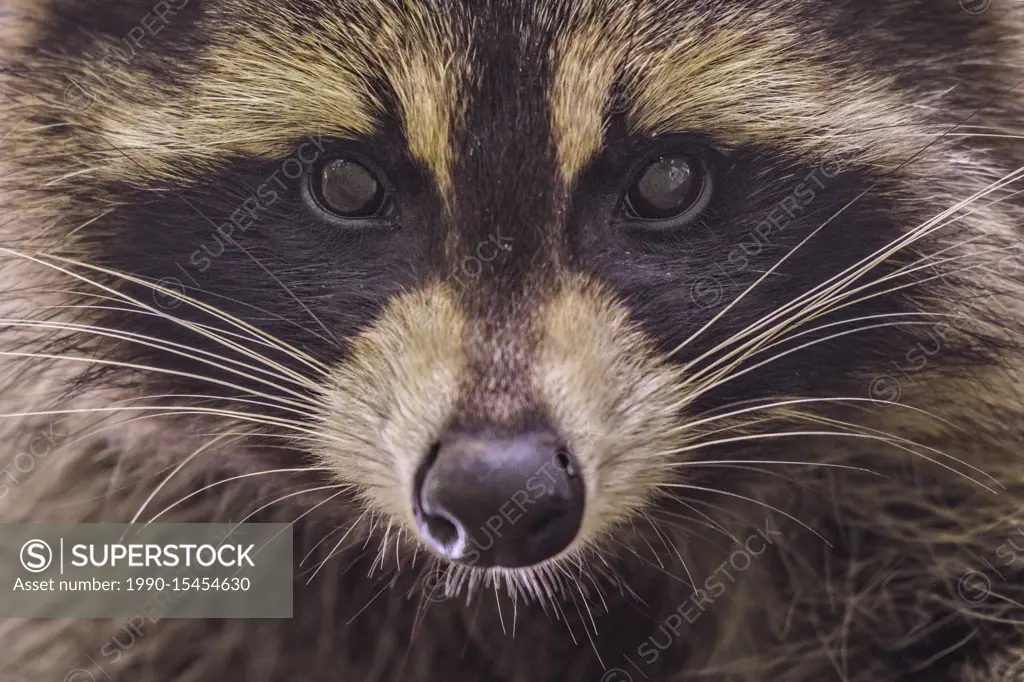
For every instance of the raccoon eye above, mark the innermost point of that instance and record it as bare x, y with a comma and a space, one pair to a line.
349, 189
675, 186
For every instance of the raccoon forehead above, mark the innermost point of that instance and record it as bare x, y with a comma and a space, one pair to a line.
266, 76
739, 74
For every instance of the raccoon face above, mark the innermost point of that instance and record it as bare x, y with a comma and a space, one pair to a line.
509, 269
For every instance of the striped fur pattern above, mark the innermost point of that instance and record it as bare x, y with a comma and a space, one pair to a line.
800, 419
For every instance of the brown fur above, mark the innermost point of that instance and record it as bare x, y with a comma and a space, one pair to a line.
940, 502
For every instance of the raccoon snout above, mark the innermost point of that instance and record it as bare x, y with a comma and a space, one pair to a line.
509, 502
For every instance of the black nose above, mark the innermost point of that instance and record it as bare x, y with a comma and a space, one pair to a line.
509, 502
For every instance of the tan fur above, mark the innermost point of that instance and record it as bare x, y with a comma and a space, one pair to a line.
745, 78
577, 113
614, 392
267, 88
387, 404
748, 77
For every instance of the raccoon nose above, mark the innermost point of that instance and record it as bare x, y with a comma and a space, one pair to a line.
509, 502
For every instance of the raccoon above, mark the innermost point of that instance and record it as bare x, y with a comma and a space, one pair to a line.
577, 339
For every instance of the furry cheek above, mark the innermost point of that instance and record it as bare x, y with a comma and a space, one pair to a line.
618, 400
385, 405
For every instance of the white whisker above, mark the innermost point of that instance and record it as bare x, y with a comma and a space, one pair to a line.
158, 370
712, 463
344, 487
335, 548
235, 478
809, 299
894, 441
800, 401
169, 476
748, 499
179, 349
239, 324
140, 311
